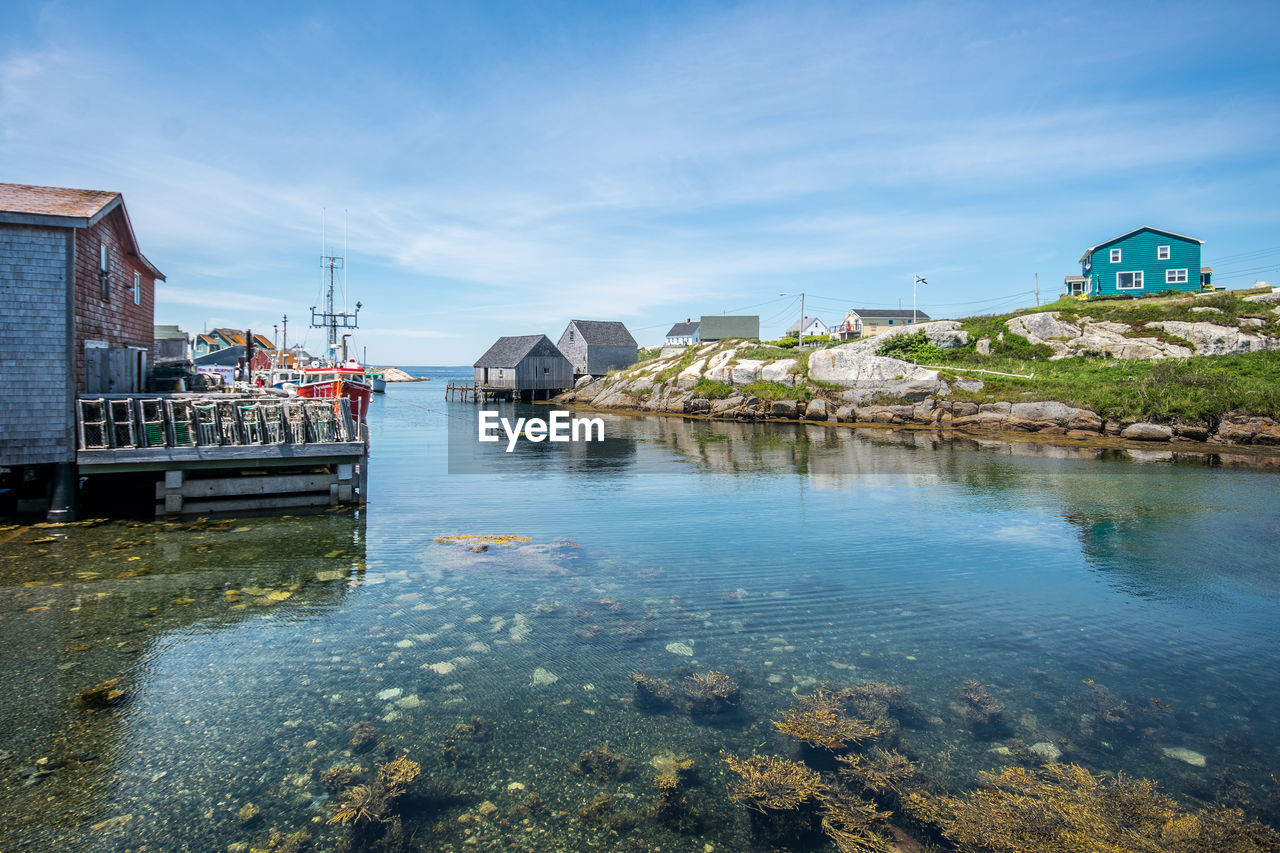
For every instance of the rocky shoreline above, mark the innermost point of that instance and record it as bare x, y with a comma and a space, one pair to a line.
852, 384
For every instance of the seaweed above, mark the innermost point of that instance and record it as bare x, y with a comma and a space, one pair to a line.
603, 763
364, 735
1063, 808
850, 822
880, 771
820, 719
652, 694
783, 796
977, 707
102, 695
710, 693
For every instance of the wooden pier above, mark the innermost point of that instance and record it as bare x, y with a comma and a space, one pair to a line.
469, 392
226, 453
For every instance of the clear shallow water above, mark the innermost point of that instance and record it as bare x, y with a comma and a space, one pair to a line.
785, 556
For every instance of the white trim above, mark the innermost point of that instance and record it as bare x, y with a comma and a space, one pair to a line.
1169, 277
137, 288
1115, 256
1137, 279
1163, 252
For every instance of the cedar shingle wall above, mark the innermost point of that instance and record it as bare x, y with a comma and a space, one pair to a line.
35, 420
115, 320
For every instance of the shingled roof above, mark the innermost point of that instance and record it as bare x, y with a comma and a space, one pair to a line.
63, 207
510, 351
684, 330
884, 314
604, 333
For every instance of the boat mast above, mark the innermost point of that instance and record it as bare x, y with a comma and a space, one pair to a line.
331, 319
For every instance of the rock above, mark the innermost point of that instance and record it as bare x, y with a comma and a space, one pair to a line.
1212, 339
487, 809
1249, 321
745, 372
1236, 428
585, 379
846, 414
441, 668
1200, 309
1049, 411
1147, 432
1267, 298
816, 410
725, 406
867, 374
783, 409
1181, 753
782, 372
697, 406
983, 347
689, 377
1046, 751
1191, 432
1038, 328
682, 649
542, 677
389, 694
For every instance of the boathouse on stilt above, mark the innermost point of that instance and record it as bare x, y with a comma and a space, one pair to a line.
529, 367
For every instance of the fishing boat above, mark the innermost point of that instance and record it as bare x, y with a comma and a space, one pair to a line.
378, 380
329, 382
336, 376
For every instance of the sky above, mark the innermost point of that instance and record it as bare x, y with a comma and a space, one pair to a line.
502, 168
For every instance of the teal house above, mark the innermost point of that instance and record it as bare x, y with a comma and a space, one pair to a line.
1142, 262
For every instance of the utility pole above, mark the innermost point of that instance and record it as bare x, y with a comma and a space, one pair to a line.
919, 281
1037, 290
800, 342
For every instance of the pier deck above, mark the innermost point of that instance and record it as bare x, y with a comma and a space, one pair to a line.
224, 453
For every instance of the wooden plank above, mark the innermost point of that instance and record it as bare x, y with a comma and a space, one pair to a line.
241, 504
216, 487
104, 460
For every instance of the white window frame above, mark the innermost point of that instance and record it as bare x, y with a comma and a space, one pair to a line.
1163, 252
137, 288
1115, 256
1176, 276
1137, 280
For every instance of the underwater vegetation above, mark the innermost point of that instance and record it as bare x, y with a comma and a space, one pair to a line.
603, 763
1063, 808
879, 771
977, 707
506, 539
821, 719
652, 694
364, 736
710, 692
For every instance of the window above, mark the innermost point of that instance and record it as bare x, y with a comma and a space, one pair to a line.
1129, 280
1162, 253
890, 322
104, 271
1115, 256
1175, 276
137, 288
546, 370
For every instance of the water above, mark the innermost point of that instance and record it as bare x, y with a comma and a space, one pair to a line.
1116, 609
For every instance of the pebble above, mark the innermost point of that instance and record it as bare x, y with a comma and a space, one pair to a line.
444, 667
516, 786
683, 649
389, 694
1046, 750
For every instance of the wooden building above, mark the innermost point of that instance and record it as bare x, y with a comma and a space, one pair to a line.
684, 334
865, 322
77, 314
718, 327
594, 347
529, 366
1139, 263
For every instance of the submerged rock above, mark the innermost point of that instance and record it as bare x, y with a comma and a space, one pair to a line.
683, 649
543, 677
1181, 753
1045, 750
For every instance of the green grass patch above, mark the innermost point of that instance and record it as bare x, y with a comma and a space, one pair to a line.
764, 390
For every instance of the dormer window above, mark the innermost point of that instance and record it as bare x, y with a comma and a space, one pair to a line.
1162, 253
1115, 256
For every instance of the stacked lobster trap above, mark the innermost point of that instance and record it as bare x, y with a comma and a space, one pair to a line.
137, 422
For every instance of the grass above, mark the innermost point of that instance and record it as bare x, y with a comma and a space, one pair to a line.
764, 390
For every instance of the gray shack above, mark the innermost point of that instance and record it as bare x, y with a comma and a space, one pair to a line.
529, 366
717, 327
594, 347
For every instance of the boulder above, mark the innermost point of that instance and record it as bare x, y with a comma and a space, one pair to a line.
745, 372
1147, 432
846, 414
718, 369
784, 409
1253, 322
1243, 429
782, 372
1212, 339
1268, 298
727, 405
697, 406
1038, 328
816, 410
1191, 432
866, 374
689, 377
983, 347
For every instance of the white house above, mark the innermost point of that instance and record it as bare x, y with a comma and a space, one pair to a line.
813, 328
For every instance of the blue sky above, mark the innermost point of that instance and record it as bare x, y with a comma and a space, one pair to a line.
505, 167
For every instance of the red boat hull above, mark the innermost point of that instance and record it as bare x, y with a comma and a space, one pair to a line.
359, 393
